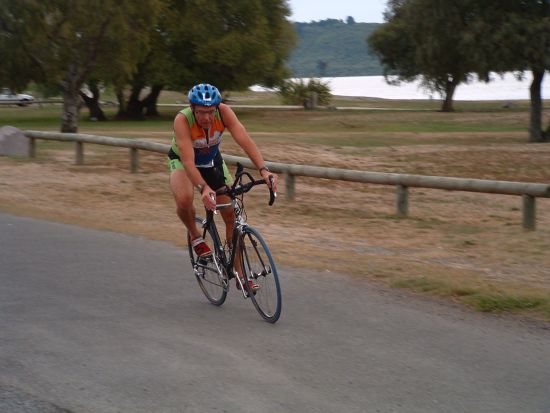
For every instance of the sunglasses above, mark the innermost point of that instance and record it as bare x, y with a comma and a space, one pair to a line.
204, 112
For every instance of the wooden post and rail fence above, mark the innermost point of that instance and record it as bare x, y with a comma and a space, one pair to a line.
528, 191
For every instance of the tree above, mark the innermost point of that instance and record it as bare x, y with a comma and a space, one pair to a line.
439, 39
520, 41
230, 44
153, 72
68, 41
246, 42
18, 66
431, 40
92, 102
298, 92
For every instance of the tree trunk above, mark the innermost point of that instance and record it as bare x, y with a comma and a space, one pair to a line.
122, 112
92, 103
150, 102
134, 109
71, 101
448, 104
69, 118
535, 126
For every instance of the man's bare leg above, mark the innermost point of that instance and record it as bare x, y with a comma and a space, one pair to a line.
182, 189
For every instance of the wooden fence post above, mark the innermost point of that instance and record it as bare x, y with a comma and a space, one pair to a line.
529, 212
289, 185
134, 160
79, 153
32, 148
402, 200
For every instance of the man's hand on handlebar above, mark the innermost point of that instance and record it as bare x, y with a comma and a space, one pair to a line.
270, 179
208, 198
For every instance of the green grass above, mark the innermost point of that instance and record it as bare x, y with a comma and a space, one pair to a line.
471, 118
382, 122
336, 129
31, 117
491, 302
48, 118
480, 298
450, 126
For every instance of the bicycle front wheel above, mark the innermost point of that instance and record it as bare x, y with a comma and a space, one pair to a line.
258, 265
210, 272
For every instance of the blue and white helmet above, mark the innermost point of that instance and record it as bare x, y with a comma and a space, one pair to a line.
205, 94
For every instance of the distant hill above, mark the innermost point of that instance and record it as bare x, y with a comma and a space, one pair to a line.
331, 48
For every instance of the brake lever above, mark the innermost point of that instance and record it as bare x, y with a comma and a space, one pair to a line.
272, 194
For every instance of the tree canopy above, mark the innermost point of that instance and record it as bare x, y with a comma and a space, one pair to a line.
232, 44
66, 42
156, 42
445, 43
520, 41
434, 40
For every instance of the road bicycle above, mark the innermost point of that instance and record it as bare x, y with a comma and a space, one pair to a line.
247, 245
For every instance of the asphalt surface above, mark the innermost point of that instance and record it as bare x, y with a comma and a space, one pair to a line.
94, 321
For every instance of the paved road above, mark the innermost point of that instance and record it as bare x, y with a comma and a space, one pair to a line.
98, 322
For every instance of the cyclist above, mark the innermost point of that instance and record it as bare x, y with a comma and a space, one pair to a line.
195, 160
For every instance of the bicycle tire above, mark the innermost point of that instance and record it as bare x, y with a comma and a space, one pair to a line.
258, 265
210, 273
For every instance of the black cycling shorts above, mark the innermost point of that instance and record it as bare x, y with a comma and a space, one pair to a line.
216, 176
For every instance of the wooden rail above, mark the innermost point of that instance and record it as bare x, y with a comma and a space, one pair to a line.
528, 191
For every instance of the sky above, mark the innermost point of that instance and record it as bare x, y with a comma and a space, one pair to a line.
364, 11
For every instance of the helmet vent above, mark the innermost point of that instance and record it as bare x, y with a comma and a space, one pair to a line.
204, 94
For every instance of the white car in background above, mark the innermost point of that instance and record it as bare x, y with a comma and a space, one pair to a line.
20, 99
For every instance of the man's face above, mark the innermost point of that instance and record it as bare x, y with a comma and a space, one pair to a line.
204, 115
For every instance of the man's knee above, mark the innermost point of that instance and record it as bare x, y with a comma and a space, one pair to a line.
184, 201
185, 212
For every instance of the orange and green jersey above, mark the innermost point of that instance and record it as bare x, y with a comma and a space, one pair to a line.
205, 142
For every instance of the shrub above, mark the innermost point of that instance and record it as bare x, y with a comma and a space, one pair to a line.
298, 92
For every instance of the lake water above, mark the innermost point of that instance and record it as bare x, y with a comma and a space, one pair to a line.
506, 88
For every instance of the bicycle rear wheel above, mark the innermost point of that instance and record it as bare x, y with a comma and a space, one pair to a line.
258, 265
210, 272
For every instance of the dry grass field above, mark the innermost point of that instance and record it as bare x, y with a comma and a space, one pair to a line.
467, 247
